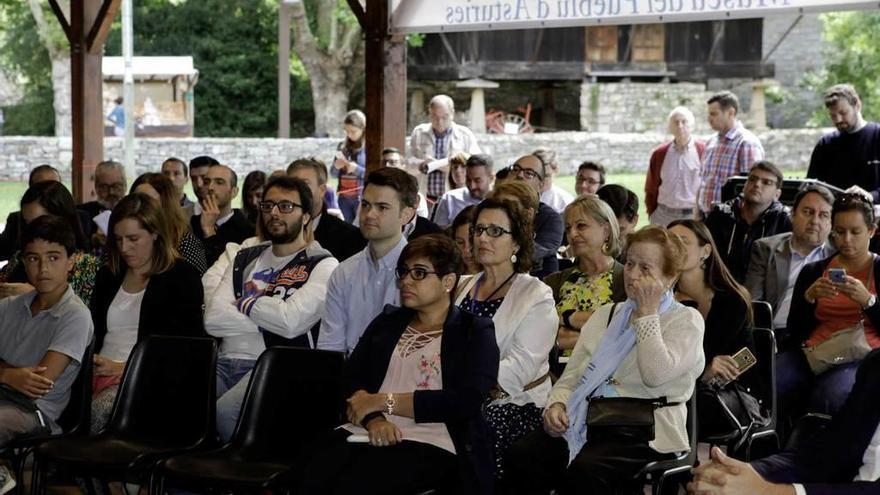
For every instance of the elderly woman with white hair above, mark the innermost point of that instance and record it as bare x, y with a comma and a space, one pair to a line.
674, 171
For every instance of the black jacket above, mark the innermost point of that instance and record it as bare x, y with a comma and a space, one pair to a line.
469, 361
802, 315
173, 303
236, 230
423, 227
9, 237
342, 239
549, 230
734, 237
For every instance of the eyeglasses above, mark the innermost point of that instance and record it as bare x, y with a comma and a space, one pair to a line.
765, 182
417, 273
283, 206
527, 172
491, 229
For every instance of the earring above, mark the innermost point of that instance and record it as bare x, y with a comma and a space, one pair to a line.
605, 246
513, 258
703, 263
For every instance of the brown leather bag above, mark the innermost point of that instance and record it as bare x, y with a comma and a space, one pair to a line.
844, 346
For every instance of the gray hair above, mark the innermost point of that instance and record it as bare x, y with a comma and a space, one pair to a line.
684, 112
110, 165
443, 101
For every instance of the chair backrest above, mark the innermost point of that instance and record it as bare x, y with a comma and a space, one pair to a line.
765, 353
294, 395
76, 416
692, 422
168, 392
763, 314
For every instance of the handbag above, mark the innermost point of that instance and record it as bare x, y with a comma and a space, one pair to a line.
735, 410
844, 346
625, 415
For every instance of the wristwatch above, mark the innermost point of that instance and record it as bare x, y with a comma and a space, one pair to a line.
871, 302
390, 402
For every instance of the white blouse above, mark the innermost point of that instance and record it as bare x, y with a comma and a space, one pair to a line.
123, 319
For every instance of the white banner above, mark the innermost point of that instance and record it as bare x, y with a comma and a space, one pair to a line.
425, 16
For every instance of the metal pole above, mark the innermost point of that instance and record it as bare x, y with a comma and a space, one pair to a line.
128, 88
284, 69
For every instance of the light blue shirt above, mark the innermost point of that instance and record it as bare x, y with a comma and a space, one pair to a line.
795, 266
451, 204
358, 290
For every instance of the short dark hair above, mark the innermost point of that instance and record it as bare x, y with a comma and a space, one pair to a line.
390, 149
202, 161
622, 201
174, 159
464, 217
40, 169
502, 174
854, 202
725, 99
405, 184
310, 162
520, 226
838, 91
822, 191
50, 228
57, 200
439, 249
233, 177
595, 166
480, 160
292, 184
769, 167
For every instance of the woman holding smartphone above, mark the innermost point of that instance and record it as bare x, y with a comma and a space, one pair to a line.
835, 317
350, 164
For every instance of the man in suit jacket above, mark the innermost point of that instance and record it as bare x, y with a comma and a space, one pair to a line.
777, 260
842, 460
342, 239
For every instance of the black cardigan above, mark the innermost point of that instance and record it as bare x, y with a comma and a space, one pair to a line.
469, 360
173, 303
802, 316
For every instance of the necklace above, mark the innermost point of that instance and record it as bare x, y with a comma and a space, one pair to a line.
489, 298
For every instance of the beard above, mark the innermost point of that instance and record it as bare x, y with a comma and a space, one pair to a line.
288, 235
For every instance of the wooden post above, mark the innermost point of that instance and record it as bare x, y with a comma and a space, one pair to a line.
386, 84
284, 70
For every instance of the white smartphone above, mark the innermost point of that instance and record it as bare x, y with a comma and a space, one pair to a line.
358, 439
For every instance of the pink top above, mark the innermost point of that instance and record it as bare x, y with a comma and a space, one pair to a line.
415, 365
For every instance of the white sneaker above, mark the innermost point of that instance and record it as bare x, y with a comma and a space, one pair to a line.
7, 482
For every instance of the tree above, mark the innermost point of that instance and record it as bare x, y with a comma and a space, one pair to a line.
327, 38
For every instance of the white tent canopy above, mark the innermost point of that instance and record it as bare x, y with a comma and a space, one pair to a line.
426, 16
144, 68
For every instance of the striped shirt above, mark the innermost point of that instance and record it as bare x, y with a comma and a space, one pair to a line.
727, 155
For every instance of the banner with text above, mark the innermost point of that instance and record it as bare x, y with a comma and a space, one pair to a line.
427, 16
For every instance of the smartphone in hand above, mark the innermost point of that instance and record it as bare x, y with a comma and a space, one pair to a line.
837, 275
744, 361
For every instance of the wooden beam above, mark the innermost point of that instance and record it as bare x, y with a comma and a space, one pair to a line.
385, 85
101, 26
62, 19
359, 13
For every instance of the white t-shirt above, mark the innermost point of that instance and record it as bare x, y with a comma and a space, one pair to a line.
123, 319
267, 267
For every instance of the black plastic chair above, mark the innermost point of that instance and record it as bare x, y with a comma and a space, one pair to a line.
74, 419
763, 314
659, 473
294, 396
806, 429
165, 405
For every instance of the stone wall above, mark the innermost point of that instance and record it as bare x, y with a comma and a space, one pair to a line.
620, 152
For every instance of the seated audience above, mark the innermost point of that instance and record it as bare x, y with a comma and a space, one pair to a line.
756, 213
363, 284
350, 164
219, 223
416, 385
590, 177
625, 204
175, 169
552, 195
52, 198
644, 348
841, 460
823, 309
525, 323
272, 294
9, 237
110, 187
478, 183
144, 289
342, 239
776, 261
252, 194
546, 223
160, 188
596, 279
674, 178
706, 284
460, 230
455, 179
43, 335
198, 168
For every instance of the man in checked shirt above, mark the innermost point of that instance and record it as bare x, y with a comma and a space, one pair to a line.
437, 140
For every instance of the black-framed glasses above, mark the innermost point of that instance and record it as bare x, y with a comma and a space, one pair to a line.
527, 172
491, 229
283, 206
416, 272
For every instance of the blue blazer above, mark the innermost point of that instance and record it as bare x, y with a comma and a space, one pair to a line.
469, 362
827, 464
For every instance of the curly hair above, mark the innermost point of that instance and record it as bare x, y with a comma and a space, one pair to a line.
520, 226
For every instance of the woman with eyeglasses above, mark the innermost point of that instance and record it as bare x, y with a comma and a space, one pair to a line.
525, 319
416, 383
144, 289
834, 316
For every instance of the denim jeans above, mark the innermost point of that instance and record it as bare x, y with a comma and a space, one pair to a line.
232, 381
800, 391
349, 207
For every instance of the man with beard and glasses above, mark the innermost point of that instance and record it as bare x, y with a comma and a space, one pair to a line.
271, 294
848, 158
